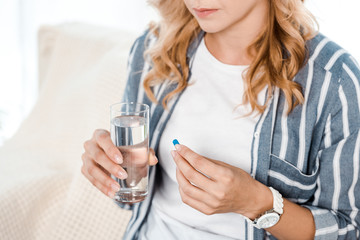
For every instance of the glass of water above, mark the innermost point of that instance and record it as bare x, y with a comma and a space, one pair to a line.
130, 133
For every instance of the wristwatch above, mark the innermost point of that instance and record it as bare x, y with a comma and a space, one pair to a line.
272, 216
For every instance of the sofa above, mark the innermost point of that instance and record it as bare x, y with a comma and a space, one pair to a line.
43, 195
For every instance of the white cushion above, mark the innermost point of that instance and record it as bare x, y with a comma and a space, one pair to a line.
42, 192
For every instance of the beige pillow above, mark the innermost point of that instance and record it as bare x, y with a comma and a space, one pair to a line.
82, 71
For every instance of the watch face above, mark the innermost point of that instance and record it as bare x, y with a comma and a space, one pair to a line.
268, 220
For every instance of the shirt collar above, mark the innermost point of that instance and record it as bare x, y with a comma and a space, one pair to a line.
195, 44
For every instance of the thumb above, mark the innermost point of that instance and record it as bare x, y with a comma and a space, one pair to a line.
153, 160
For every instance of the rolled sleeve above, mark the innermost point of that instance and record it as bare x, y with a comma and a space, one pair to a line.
326, 223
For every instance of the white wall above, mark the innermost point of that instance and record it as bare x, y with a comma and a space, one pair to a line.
339, 20
10, 63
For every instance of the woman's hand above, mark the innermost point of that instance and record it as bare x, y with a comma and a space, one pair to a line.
212, 186
102, 158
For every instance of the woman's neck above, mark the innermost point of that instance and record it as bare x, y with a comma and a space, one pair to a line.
230, 46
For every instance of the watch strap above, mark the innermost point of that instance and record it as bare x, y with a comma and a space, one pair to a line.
278, 202
278, 206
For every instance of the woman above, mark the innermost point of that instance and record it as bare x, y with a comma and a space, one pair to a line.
268, 112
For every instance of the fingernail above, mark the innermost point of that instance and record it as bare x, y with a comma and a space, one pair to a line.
122, 174
177, 147
118, 159
115, 187
111, 194
173, 153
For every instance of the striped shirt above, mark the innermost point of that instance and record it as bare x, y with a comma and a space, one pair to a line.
311, 156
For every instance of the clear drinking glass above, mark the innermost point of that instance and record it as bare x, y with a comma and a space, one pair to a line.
130, 133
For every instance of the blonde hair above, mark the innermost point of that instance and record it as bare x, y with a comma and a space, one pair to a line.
279, 52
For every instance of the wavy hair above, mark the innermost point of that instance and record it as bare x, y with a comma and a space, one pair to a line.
278, 53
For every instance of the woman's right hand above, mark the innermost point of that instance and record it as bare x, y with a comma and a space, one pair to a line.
102, 158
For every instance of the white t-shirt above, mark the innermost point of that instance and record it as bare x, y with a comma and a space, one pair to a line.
208, 120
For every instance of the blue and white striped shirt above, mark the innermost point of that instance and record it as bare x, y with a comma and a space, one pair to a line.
311, 156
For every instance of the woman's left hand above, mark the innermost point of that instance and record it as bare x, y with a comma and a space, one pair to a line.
212, 186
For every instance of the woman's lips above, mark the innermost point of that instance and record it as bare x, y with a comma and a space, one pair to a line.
204, 12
